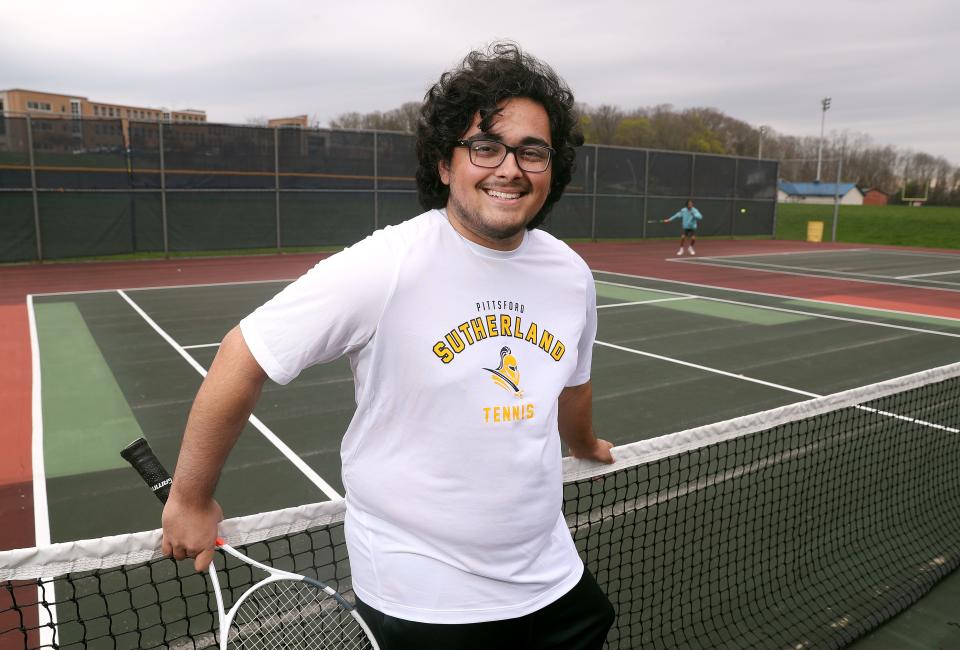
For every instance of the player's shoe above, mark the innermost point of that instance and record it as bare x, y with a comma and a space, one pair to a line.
680, 252
691, 251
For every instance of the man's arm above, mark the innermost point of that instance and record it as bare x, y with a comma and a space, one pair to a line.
575, 420
221, 409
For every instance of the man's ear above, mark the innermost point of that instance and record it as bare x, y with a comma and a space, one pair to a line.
444, 168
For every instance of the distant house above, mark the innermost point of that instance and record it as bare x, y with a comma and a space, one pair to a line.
818, 193
295, 122
873, 196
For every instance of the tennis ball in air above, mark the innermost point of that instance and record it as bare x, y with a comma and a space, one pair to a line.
743, 210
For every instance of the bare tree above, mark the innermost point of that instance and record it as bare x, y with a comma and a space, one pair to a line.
708, 130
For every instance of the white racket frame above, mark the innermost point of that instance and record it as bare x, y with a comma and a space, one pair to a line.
273, 575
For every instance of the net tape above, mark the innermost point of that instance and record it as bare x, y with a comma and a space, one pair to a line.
802, 526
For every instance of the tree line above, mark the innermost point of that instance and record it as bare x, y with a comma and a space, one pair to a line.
893, 170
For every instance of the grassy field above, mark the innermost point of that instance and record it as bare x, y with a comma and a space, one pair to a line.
896, 225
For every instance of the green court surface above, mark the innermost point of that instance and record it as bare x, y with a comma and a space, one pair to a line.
910, 268
669, 357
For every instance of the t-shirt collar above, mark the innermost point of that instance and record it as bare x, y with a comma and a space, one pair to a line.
482, 250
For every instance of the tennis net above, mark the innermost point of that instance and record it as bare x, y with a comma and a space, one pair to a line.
799, 527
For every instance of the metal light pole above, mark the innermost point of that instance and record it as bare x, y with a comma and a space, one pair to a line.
825, 103
763, 130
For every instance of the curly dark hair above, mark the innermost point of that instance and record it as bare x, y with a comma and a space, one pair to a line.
482, 80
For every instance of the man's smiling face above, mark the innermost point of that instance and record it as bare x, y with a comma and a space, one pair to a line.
492, 206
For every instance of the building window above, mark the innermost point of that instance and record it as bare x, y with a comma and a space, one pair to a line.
40, 106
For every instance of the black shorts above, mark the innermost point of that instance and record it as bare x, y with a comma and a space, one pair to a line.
689, 232
579, 620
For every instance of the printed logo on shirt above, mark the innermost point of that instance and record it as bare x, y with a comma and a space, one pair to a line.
507, 377
507, 374
497, 325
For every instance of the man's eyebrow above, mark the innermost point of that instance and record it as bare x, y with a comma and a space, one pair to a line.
496, 137
535, 140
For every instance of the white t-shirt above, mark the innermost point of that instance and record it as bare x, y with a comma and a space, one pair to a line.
452, 462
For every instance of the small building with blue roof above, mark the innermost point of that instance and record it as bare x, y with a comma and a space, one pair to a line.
818, 193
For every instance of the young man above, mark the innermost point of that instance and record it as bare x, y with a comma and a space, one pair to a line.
470, 336
690, 216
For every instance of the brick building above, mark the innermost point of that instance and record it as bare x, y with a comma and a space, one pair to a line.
18, 101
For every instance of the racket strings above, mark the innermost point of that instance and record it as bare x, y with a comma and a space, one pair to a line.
291, 614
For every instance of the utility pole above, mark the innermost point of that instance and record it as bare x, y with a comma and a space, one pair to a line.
825, 104
763, 130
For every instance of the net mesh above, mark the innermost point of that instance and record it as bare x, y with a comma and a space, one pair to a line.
801, 527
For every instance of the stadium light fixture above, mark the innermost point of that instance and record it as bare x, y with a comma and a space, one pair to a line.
825, 105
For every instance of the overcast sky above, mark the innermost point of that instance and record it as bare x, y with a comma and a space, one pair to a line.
891, 67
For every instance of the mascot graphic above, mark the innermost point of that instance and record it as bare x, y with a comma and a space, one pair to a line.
507, 375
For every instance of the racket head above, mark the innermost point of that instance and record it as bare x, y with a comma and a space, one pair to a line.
284, 612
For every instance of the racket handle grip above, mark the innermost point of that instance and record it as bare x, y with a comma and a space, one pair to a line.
139, 454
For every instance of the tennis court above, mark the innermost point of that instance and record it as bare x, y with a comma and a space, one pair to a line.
678, 348
909, 268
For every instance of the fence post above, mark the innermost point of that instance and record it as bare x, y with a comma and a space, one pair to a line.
733, 209
836, 194
593, 210
163, 193
33, 189
776, 200
276, 182
376, 182
646, 191
693, 174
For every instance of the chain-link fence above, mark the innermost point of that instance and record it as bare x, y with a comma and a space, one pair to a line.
72, 188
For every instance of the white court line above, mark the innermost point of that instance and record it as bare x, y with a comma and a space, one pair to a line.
307, 471
796, 252
787, 310
762, 293
772, 295
203, 345
47, 616
645, 302
830, 272
821, 275
166, 286
41, 516
790, 389
927, 275
716, 371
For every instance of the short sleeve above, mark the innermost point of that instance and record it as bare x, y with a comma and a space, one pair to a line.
329, 311
581, 374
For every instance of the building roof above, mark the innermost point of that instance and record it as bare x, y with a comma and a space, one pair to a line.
815, 188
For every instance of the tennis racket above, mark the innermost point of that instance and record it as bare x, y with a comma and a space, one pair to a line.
283, 609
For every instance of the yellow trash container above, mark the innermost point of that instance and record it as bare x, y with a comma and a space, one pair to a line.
815, 231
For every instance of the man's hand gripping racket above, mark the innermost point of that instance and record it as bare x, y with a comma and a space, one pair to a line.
283, 610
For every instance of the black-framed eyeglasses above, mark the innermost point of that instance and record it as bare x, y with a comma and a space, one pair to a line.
491, 153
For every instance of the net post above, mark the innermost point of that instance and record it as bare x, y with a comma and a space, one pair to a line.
33, 189
593, 207
376, 182
163, 193
276, 182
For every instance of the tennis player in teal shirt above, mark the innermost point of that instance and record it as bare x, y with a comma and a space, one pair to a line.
690, 216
